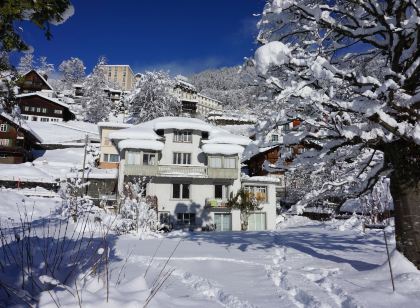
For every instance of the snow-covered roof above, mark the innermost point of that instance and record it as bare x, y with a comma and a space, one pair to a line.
265, 179
22, 124
42, 77
141, 144
147, 131
114, 124
66, 132
224, 149
56, 101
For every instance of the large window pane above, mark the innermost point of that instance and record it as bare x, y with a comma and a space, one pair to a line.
215, 162
230, 162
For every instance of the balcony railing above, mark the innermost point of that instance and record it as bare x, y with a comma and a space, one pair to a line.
215, 203
181, 171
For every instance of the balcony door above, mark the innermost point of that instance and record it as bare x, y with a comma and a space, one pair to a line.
223, 221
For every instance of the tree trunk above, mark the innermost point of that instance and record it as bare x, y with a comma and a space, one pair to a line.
407, 219
404, 158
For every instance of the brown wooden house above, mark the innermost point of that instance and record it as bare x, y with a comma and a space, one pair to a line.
41, 108
16, 140
33, 81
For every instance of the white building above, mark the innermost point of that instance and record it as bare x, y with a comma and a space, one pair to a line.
192, 168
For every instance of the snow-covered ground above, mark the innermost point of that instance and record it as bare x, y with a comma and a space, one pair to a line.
302, 264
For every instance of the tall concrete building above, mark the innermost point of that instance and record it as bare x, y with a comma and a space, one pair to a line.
122, 75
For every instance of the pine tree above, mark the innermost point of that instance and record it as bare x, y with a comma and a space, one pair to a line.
97, 103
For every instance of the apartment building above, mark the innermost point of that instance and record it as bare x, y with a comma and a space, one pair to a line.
193, 102
191, 169
121, 75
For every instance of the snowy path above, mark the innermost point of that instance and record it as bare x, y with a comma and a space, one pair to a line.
307, 266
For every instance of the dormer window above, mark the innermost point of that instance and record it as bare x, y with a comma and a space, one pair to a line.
183, 136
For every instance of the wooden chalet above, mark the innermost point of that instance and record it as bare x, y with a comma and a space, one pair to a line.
16, 140
33, 81
41, 108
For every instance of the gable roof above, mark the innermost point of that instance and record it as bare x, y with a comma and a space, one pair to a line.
53, 100
22, 124
40, 76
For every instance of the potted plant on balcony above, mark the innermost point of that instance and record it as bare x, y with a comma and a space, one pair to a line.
246, 202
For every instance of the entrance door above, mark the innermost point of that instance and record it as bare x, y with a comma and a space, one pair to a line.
223, 221
256, 222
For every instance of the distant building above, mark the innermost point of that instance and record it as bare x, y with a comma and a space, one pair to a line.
40, 107
121, 75
33, 81
16, 140
193, 102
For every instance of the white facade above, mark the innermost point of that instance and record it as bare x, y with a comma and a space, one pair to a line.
192, 168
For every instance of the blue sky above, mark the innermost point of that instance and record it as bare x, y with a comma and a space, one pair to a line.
183, 36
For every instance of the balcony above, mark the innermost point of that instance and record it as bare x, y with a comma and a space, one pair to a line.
212, 203
181, 171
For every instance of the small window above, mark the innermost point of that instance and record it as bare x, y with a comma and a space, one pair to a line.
149, 158
181, 191
220, 191
215, 162
183, 136
44, 110
32, 108
58, 111
26, 108
38, 109
182, 159
4, 128
186, 219
45, 120
274, 138
5, 142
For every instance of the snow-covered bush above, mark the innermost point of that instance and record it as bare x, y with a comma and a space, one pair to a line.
136, 212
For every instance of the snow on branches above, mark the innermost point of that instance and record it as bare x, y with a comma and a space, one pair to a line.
351, 70
153, 97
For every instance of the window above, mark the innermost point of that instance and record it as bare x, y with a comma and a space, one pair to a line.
215, 162
274, 138
165, 218
229, 162
180, 191
32, 108
5, 142
38, 109
186, 219
149, 158
222, 162
3, 128
133, 158
45, 120
259, 192
44, 110
26, 108
182, 159
111, 158
34, 118
183, 136
25, 117
58, 111
220, 191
